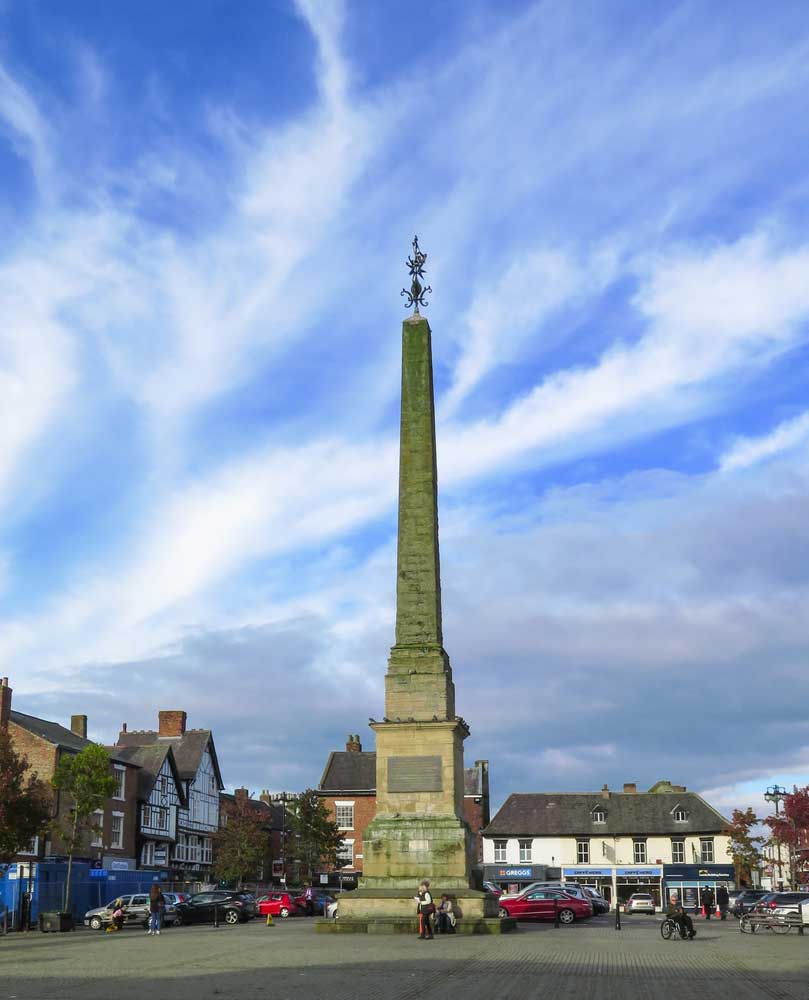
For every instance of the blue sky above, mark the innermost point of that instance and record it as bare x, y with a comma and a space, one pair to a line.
206, 213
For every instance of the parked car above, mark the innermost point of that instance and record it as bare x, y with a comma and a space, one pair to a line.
277, 904
640, 902
320, 900
763, 902
787, 904
746, 900
331, 910
136, 911
230, 907
546, 904
572, 888
600, 905
491, 887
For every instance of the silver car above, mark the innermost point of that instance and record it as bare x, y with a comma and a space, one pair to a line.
640, 902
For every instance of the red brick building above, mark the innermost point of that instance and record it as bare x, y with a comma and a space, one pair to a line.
348, 789
44, 743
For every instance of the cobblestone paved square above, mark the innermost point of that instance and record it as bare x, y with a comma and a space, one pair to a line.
290, 961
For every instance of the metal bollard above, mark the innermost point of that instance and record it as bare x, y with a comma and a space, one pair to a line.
216, 914
617, 912
555, 911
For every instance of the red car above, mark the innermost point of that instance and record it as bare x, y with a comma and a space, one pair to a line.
279, 904
544, 904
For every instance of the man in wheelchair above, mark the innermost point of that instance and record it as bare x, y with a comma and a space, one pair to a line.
676, 913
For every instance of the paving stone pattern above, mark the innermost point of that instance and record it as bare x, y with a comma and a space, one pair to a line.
586, 962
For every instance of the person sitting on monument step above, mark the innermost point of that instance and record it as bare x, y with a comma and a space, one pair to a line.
446, 916
425, 909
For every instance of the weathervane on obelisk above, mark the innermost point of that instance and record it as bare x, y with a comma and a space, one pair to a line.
415, 295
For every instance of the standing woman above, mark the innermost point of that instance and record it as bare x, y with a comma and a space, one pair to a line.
426, 909
156, 904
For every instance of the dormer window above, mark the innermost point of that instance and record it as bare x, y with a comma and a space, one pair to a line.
680, 815
599, 816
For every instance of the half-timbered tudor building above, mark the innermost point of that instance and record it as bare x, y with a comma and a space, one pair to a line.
198, 768
161, 795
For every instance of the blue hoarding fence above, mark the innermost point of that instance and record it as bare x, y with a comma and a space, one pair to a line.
26, 890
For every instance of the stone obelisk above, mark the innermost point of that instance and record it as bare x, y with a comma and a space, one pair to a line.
419, 831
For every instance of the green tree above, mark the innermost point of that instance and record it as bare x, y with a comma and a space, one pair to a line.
86, 778
315, 838
25, 803
242, 845
791, 827
744, 846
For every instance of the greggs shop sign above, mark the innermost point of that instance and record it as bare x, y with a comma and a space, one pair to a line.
515, 873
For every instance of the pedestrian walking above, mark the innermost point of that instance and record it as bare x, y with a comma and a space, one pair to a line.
446, 916
723, 901
157, 904
425, 907
309, 901
707, 900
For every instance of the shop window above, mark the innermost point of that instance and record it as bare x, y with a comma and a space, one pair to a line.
525, 851
706, 850
639, 852
678, 852
583, 852
500, 850
599, 816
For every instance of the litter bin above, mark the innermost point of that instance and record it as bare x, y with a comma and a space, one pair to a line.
53, 922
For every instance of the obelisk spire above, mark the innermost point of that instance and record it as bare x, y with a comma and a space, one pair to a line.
419, 681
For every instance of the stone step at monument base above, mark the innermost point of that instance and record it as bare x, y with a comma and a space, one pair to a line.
409, 925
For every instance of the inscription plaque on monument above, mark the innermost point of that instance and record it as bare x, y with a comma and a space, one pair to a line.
414, 774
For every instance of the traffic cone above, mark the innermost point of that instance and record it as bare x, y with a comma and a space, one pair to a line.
269, 920
718, 911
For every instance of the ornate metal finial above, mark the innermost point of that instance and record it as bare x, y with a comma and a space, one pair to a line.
415, 295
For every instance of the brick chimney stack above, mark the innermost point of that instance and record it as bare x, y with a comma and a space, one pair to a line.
353, 744
5, 702
78, 725
630, 787
605, 792
265, 797
241, 793
171, 723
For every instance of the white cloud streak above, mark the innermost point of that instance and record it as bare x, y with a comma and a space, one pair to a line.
749, 451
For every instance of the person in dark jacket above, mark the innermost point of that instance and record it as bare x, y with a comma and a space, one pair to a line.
157, 904
675, 912
706, 897
425, 909
723, 901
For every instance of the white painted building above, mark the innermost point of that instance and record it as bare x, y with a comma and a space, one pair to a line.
660, 841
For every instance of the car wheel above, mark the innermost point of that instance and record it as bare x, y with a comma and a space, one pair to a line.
566, 916
503, 912
284, 911
95, 923
231, 917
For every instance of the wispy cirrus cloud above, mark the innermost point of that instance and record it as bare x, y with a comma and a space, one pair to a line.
202, 360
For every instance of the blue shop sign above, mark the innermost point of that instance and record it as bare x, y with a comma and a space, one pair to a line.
588, 872
640, 872
97, 873
515, 873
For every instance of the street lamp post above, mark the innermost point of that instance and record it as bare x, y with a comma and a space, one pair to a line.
777, 794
